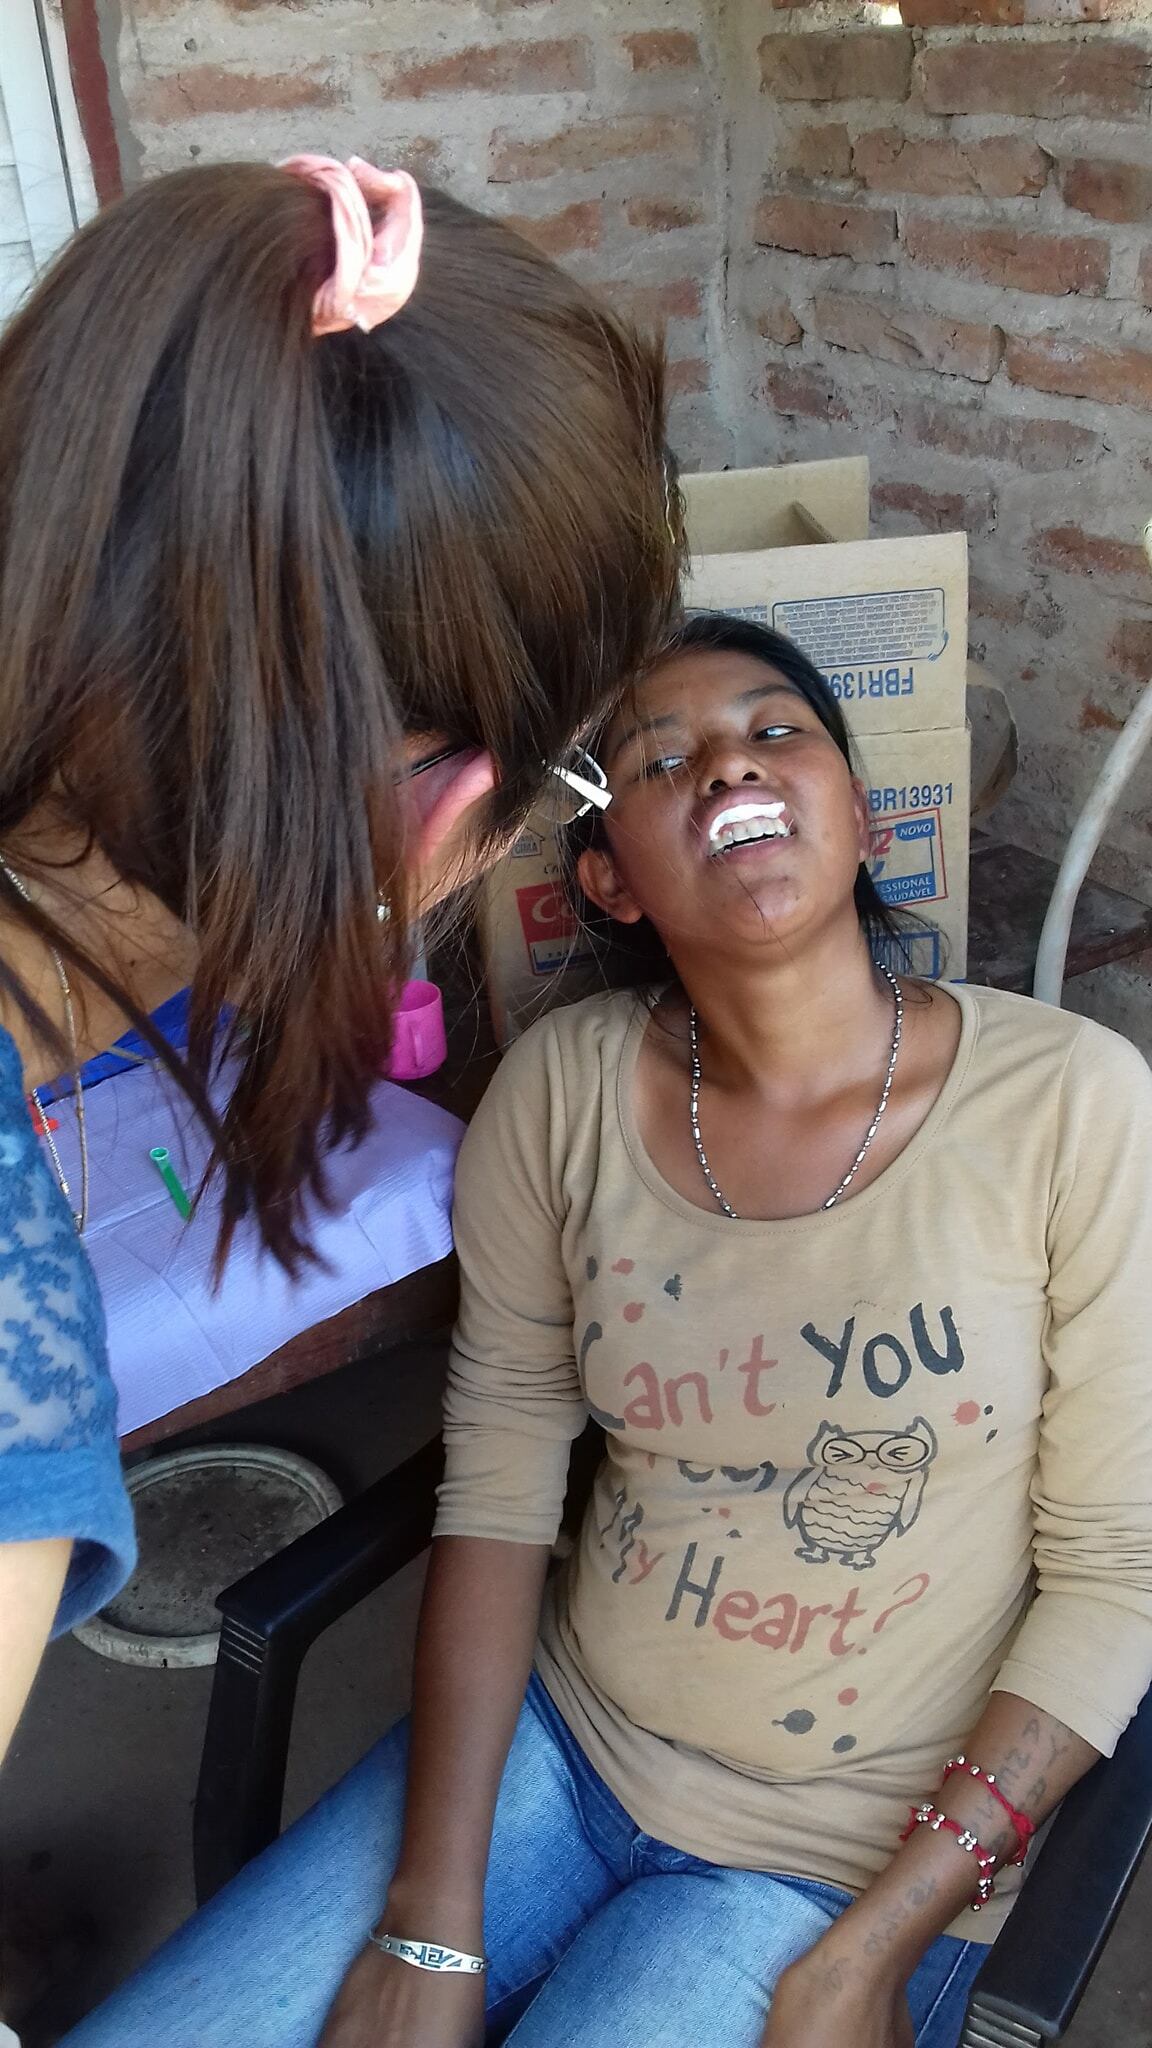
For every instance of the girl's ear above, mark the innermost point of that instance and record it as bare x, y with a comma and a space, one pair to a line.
863, 811
600, 882
441, 852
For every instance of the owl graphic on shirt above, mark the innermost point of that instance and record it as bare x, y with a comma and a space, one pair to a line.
858, 1488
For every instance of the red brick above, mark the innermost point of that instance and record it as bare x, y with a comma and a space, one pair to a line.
777, 322
845, 64
592, 146
663, 216
973, 512
986, 602
1086, 10
1096, 717
663, 49
818, 227
808, 393
211, 89
1087, 554
686, 376
1107, 189
1032, 608
1006, 257
1040, 447
167, 9
553, 66
1081, 369
997, 167
559, 234
649, 305
1107, 80
962, 13
1130, 649
425, 157
816, 154
904, 334
1145, 284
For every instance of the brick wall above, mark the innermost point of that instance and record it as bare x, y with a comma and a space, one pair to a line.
928, 238
596, 127
941, 251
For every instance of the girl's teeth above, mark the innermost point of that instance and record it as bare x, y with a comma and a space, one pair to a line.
745, 821
740, 834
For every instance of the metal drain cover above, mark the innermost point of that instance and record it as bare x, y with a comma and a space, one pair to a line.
203, 1518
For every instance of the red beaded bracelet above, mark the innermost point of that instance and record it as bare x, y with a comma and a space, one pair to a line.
927, 1815
1025, 1828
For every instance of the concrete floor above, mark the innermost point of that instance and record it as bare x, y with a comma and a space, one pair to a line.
95, 1803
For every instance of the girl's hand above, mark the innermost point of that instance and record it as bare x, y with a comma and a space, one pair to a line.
384, 2003
823, 2003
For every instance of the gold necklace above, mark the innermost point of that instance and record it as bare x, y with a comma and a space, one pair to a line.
79, 1216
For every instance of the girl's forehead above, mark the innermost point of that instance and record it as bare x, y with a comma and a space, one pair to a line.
692, 681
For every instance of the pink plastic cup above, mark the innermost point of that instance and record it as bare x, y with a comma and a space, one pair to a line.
419, 1045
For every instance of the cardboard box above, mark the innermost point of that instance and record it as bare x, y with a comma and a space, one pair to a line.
885, 620
738, 511
918, 788
530, 935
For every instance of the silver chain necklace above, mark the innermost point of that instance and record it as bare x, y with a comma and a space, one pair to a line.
80, 1215
870, 1133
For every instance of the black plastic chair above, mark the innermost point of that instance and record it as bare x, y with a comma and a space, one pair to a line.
1037, 1969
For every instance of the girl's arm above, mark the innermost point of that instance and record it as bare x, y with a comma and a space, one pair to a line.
31, 1581
62, 1497
851, 1985
1081, 1661
473, 1655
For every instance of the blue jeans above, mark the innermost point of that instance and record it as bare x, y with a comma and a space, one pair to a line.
599, 1936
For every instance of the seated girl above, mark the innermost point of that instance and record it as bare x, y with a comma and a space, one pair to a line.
852, 1273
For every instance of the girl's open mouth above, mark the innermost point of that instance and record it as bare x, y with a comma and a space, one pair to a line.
748, 824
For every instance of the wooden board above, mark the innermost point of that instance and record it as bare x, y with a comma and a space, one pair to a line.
420, 1306
1010, 892
423, 1305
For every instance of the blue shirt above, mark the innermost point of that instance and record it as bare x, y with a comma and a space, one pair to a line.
59, 1458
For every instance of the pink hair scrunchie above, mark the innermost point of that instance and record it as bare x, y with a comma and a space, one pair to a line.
376, 268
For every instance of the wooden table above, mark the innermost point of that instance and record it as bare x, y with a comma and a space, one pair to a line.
422, 1305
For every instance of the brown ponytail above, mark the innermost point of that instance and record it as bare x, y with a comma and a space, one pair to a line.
237, 563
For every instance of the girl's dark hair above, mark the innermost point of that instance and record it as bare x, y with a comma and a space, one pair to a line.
237, 564
634, 956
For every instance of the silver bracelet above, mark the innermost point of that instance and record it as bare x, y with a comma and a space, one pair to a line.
429, 1955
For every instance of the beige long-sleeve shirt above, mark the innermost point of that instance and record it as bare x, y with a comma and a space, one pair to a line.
863, 1466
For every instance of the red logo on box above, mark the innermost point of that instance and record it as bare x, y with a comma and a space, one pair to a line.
551, 932
544, 914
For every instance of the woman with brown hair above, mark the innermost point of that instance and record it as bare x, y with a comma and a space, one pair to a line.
330, 516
